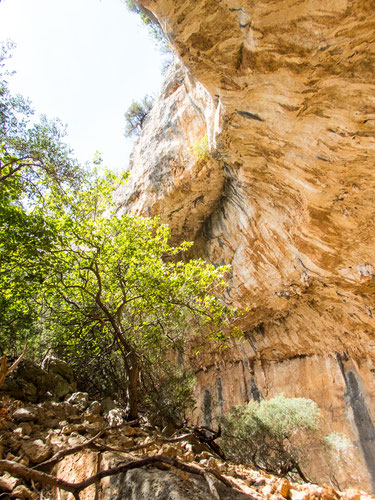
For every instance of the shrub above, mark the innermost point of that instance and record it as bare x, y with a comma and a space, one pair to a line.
338, 443
272, 435
200, 148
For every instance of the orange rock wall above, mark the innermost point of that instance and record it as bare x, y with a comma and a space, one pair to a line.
284, 91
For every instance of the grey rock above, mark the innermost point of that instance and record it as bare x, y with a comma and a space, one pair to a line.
29, 391
165, 485
30, 382
61, 387
32, 373
25, 415
11, 388
79, 398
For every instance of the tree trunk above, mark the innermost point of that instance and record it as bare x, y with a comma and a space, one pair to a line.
131, 368
133, 386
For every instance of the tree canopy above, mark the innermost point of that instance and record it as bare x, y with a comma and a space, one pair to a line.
115, 279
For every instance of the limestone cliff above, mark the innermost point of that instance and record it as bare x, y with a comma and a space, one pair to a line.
284, 92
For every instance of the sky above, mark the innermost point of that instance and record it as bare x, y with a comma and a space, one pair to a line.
83, 61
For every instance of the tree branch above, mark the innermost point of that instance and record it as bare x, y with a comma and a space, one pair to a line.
19, 470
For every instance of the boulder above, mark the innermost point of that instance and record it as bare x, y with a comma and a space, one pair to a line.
55, 366
62, 376
37, 451
62, 387
29, 390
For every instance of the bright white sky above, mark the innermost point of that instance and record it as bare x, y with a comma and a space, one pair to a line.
83, 61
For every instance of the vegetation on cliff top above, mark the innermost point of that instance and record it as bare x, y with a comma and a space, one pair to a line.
136, 115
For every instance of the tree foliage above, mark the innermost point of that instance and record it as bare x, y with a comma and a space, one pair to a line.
115, 280
136, 115
34, 160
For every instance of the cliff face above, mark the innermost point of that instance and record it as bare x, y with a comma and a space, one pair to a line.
285, 193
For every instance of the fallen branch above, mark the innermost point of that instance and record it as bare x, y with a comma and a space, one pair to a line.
19, 470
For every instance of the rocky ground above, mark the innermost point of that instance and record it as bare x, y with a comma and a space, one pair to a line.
73, 440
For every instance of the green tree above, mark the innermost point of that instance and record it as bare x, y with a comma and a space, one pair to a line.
33, 161
33, 155
136, 115
274, 435
117, 281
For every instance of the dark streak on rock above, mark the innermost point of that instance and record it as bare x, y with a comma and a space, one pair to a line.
220, 398
255, 392
365, 427
298, 356
250, 116
200, 199
260, 329
207, 408
240, 57
305, 267
251, 341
